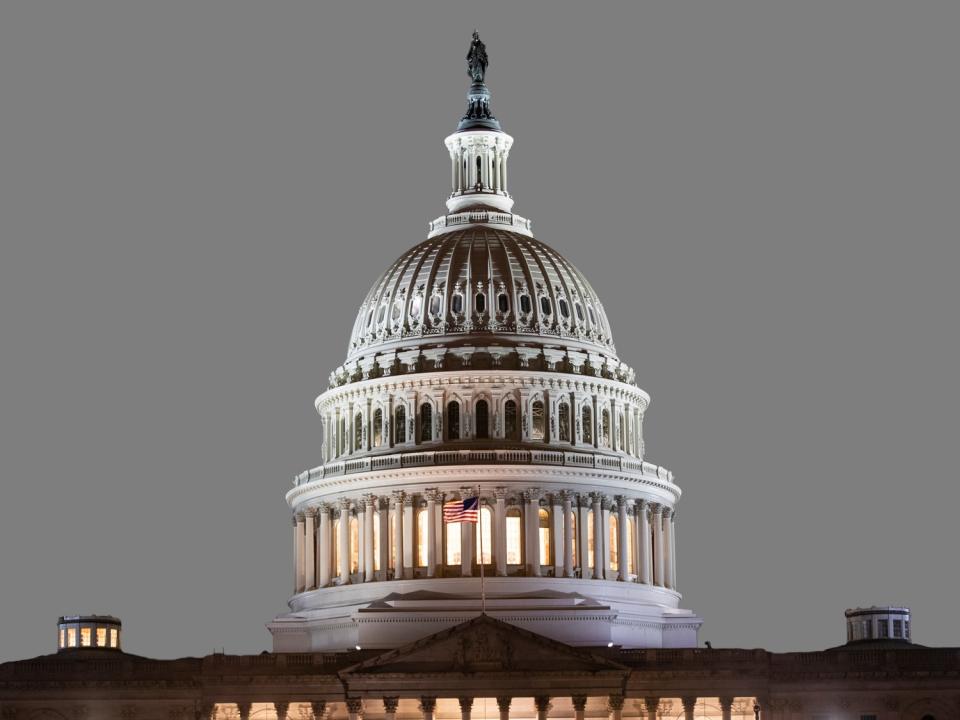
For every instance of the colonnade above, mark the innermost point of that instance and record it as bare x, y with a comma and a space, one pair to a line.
525, 533
642, 708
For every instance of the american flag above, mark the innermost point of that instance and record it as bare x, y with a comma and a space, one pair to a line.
465, 510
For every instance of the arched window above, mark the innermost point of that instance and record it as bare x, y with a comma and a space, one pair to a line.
525, 306
354, 545
480, 301
426, 423
514, 537
538, 420
422, 537
376, 540
622, 428
591, 552
613, 544
381, 313
605, 428
378, 427
546, 547
357, 432
587, 419
453, 420
456, 304
503, 303
545, 306
564, 308
486, 541
510, 420
400, 425
483, 421
454, 556
563, 422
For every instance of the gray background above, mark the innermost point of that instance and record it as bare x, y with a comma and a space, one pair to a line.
196, 196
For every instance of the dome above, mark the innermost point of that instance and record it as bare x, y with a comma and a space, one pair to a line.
482, 285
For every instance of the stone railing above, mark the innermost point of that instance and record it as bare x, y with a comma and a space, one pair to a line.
492, 456
486, 217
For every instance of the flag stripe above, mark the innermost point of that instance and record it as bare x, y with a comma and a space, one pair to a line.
466, 510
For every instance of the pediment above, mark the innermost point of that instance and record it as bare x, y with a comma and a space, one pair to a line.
485, 645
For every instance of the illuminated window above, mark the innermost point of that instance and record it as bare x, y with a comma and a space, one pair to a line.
101, 637
114, 637
376, 540
537, 415
453, 543
614, 545
354, 545
544, 537
563, 417
422, 537
453, 420
63, 637
590, 539
426, 423
378, 428
400, 425
514, 553
71, 637
483, 422
85, 637
605, 428
510, 420
587, 425
336, 546
485, 542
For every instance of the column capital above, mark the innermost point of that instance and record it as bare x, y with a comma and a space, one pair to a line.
323, 508
428, 703
621, 500
318, 707
606, 502
597, 498
310, 513
579, 702
369, 499
665, 511
465, 703
354, 705
293, 519
542, 703
655, 508
615, 703
500, 493
532, 494
689, 703
344, 503
566, 496
503, 703
244, 709
390, 704
396, 496
281, 709
652, 704
726, 702
408, 500
433, 494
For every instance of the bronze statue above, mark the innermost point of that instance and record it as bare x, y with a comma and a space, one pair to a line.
477, 59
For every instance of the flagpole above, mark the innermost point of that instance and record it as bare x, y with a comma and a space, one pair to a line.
483, 592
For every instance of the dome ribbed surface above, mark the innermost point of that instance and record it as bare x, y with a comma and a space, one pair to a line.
480, 285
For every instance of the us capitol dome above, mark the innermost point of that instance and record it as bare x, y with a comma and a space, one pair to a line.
482, 364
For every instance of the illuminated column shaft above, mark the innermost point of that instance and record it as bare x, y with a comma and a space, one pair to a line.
398, 535
567, 536
597, 535
645, 555
558, 536
324, 545
667, 550
368, 539
607, 570
658, 555
309, 547
344, 541
623, 548
431, 533
408, 536
298, 529
500, 531
673, 550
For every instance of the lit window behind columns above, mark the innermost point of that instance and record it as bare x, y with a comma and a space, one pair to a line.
514, 537
486, 542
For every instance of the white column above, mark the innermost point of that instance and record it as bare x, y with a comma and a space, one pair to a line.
432, 497
668, 562
324, 544
597, 535
298, 531
583, 535
344, 541
368, 563
500, 531
623, 547
558, 535
309, 545
567, 535
658, 554
408, 536
361, 509
384, 504
397, 502
532, 497
645, 550
673, 549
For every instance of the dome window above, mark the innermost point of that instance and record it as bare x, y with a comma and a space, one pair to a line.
605, 428
415, 306
400, 425
593, 318
480, 301
357, 432
482, 420
564, 308
525, 306
563, 414
503, 303
370, 318
436, 305
426, 423
510, 420
456, 304
587, 425
381, 314
537, 420
545, 306
579, 310
453, 420
395, 315
378, 427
